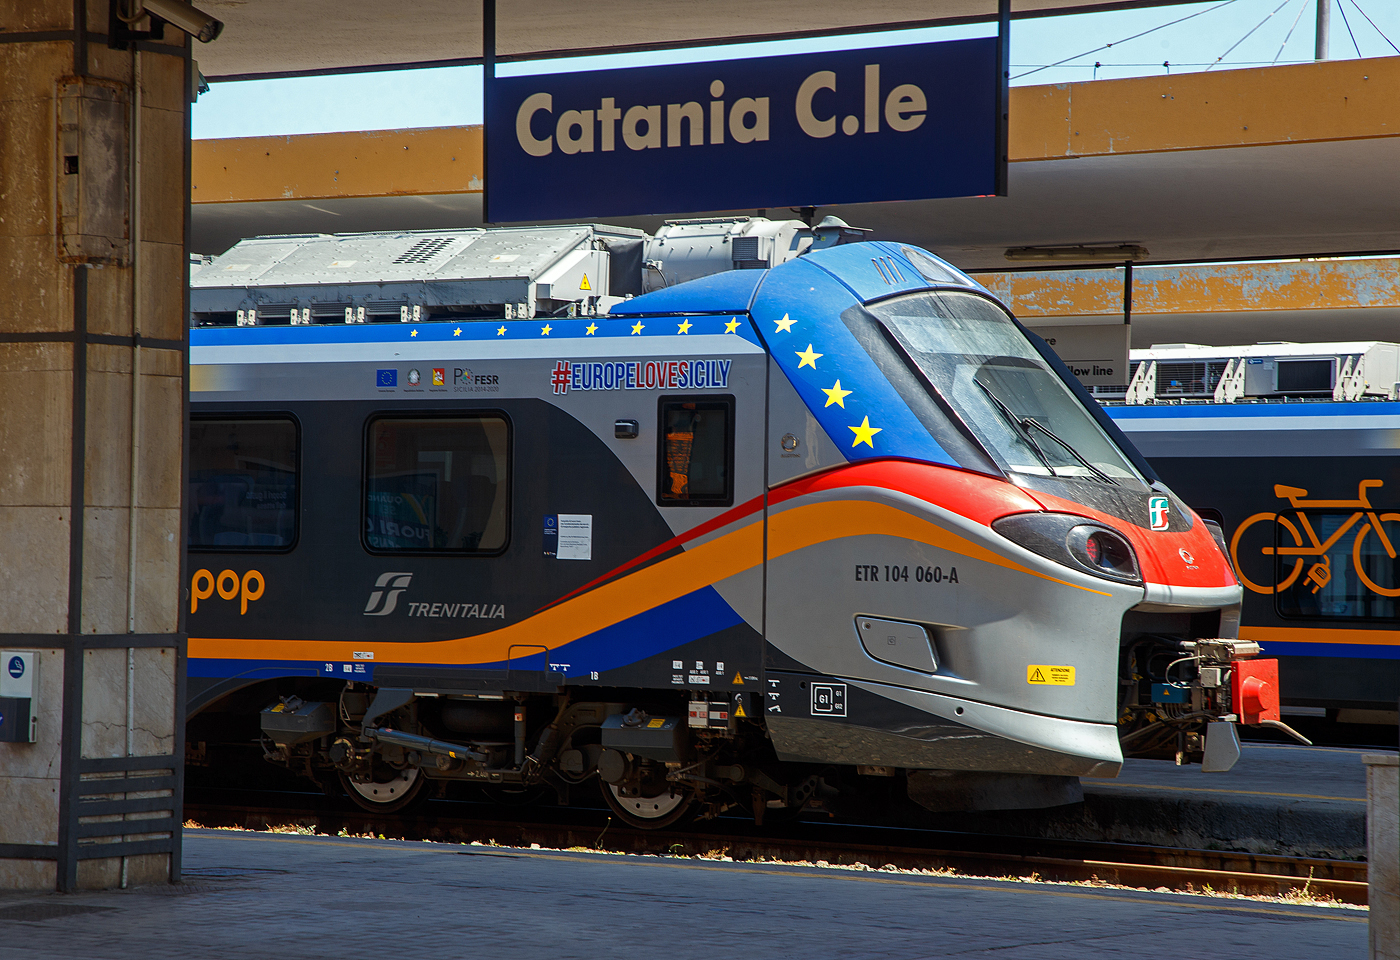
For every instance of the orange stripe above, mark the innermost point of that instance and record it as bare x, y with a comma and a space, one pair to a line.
804, 526
1320, 635
609, 604
639, 592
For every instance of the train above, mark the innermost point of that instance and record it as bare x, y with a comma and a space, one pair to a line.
1292, 448
745, 515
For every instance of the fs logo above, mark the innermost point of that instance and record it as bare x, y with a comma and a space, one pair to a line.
390, 586
1157, 512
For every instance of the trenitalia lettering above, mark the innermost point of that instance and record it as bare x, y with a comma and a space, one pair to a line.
639, 375
469, 611
744, 120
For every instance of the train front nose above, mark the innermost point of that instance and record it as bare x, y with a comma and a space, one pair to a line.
954, 646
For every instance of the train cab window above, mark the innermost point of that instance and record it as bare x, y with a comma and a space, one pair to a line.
976, 358
242, 493
437, 485
695, 464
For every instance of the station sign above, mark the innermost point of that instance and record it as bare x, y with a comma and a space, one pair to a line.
1096, 353
897, 123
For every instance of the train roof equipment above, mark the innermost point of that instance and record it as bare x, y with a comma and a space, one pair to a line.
482, 273
1344, 370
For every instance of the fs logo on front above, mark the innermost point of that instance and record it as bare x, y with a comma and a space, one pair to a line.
386, 595
1158, 513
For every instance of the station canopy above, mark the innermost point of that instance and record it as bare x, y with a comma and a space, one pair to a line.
264, 38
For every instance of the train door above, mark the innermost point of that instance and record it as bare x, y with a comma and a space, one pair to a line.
709, 490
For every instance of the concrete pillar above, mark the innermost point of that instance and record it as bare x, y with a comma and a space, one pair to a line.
1383, 853
94, 187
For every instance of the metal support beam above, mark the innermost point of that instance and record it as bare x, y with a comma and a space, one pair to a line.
1324, 30
1003, 144
1127, 292
488, 77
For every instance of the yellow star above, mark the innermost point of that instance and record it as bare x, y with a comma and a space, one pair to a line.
457, 332
732, 325
637, 327
864, 432
784, 325
836, 395
684, 327
501, 331
414, 333
592, 329
545, 331
809, 358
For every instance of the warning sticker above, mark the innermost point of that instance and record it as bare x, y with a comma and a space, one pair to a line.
584, 285
1054, 675
738, 679
655, 724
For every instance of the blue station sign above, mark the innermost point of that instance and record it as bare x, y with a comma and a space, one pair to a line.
897, 123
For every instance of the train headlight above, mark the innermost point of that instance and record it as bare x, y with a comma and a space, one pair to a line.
1075, 542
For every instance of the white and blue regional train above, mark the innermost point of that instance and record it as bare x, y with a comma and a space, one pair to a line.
712, 519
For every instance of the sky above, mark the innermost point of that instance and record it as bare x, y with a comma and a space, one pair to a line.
1215, 35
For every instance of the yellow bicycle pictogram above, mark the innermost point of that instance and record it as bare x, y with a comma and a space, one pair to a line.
1320, 573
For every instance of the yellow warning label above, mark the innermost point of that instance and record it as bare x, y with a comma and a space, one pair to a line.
1054, 675
584, 285
654, 724
739, 710
738, 679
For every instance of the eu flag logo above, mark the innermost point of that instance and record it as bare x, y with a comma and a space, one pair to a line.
386, 378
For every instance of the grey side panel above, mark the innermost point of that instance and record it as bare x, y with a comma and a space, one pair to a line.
829, 720
994, 610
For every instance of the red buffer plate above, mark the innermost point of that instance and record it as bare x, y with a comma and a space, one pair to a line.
1254, 690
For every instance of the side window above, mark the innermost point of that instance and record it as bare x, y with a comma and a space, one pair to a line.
242, 492
696, 461
437, 485
1338, 567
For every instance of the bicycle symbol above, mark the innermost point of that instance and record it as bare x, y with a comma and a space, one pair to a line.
1320, 573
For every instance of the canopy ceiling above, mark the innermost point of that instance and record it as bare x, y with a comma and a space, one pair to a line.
280, 38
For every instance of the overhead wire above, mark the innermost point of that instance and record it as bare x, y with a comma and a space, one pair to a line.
1159, 63
1357, 5
1242, 39
1067, 62
1223, 3
1302, 5
1342, 7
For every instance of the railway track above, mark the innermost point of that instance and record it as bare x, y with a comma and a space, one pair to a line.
1171, 868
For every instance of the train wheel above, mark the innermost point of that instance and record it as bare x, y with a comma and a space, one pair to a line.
1394, 535
1239, 567
388, 791
669, 806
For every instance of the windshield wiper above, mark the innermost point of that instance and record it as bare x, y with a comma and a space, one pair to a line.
1017, 426
1071, 451
1024, 425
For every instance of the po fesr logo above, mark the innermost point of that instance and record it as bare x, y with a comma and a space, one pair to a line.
229, 586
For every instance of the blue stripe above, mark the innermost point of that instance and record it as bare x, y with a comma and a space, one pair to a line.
475, 330
1356, 651
683, 620
1206, 411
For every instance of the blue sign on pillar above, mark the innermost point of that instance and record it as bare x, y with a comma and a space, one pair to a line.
899, 123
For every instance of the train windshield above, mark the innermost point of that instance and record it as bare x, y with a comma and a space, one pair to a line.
981, 364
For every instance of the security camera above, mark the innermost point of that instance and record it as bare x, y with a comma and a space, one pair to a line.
196, 23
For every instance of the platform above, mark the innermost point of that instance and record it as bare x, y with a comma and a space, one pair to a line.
256, 895
1279, 799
